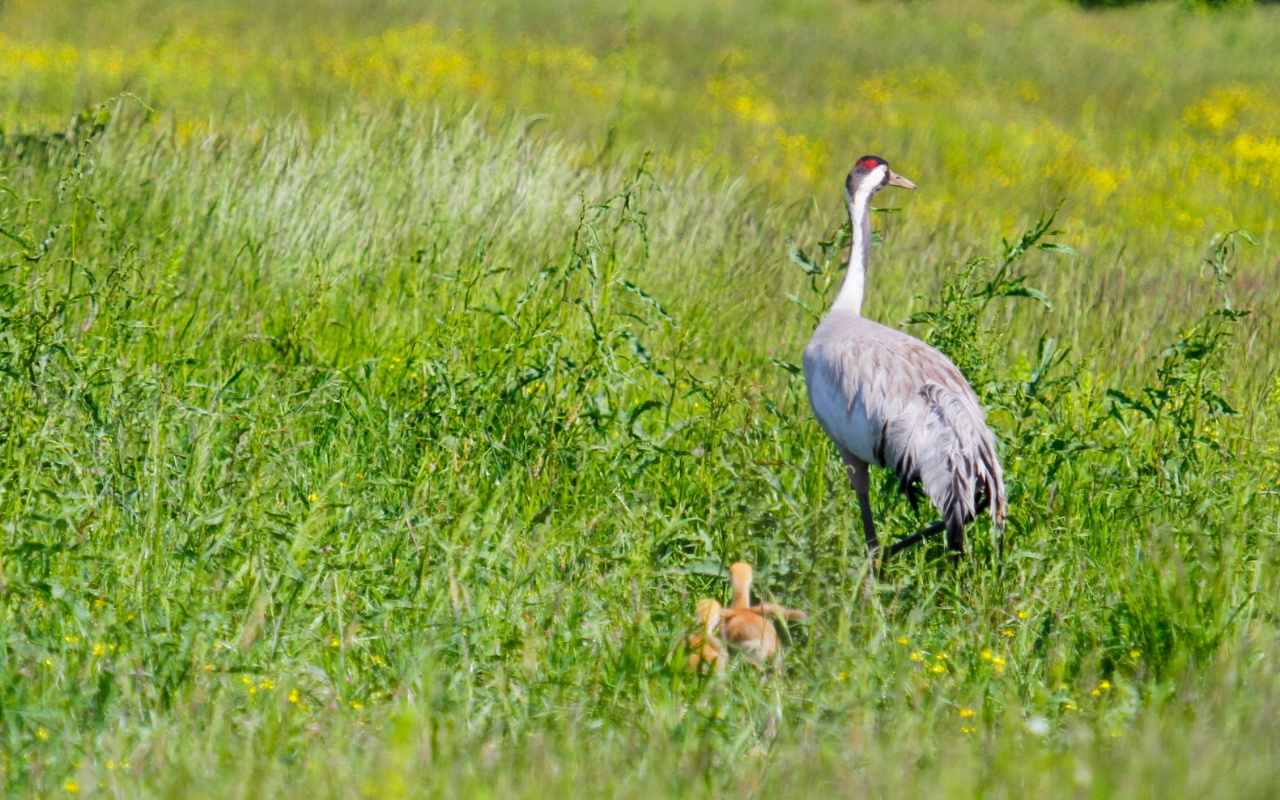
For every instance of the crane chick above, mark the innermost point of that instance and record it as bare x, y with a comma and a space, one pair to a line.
706, 650
748, 628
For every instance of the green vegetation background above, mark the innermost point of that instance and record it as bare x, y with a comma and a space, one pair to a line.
380, 387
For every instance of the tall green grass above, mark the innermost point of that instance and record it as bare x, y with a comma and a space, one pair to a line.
282, 460
385, 453
1156, 126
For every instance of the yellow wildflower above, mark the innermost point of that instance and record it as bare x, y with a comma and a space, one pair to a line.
966, 730
966, 713
293, 695
71, 786
917, 656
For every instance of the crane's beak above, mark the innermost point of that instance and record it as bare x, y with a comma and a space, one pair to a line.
897, 180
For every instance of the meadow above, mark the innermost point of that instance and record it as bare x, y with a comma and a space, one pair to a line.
381, 386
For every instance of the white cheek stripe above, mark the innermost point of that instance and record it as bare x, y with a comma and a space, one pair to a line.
868, 186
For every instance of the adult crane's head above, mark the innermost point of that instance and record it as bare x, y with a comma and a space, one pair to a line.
870, 175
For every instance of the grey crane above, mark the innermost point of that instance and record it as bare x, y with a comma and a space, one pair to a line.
889, 399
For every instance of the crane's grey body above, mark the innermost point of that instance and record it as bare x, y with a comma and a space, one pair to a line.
889, 399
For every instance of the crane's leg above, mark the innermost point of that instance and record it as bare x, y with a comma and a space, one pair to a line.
915, 538
955, 537
954, 529
860, 480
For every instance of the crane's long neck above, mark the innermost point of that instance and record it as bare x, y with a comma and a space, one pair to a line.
855, 279
741, 585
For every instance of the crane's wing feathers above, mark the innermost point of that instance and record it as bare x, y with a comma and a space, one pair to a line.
951, 452
892, 400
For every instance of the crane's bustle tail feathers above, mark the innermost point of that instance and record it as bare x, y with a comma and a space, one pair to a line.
951, 453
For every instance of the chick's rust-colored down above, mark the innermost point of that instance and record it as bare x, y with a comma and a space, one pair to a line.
744, 626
